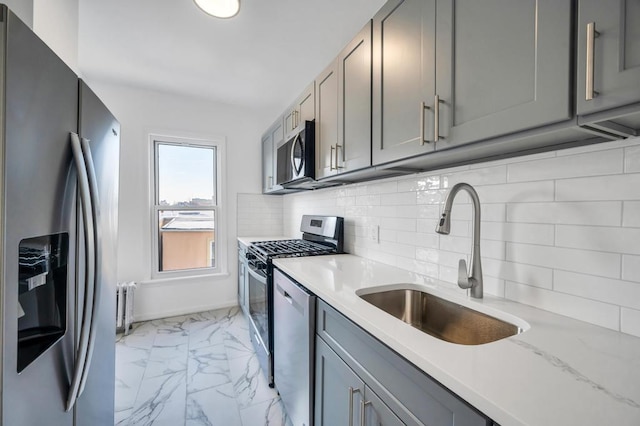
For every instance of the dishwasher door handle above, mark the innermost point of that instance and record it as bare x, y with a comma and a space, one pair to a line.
287, 297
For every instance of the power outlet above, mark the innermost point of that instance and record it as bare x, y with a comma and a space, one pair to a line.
374, 233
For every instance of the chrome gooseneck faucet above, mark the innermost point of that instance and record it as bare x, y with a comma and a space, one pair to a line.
472, 281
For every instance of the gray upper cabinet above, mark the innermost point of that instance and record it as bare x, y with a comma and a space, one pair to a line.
501, 67
403, 78
326, 120
353, 150
268, 177
270, 142
343, 110
302, 109
608, 63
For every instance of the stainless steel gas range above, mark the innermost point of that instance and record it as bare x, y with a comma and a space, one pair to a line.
321, 235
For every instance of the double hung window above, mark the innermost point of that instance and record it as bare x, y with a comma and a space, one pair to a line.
186, 206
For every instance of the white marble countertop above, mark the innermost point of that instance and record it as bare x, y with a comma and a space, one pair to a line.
559, 372
248, 240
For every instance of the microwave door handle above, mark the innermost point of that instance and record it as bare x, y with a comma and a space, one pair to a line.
292, 154
89, 234
97, 253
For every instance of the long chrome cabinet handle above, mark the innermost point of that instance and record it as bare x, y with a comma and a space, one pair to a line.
363, 406
351, 392
592, 34
436, 118
423, 107
331, 158
89, 235
337, 148
97, 254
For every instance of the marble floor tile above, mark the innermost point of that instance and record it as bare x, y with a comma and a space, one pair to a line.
213, 407
161, 401
197, 369
128, 379
249, 381
269, 412
208, 367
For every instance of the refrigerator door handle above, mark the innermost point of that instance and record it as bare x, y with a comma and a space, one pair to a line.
89, 235
97, 253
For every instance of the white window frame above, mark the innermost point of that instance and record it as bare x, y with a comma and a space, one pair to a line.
220, 207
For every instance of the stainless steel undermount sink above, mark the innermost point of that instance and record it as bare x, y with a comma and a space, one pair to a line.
441, 318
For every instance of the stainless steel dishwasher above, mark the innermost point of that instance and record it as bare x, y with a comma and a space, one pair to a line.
293, 347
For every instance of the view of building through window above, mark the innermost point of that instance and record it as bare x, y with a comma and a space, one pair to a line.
185, 205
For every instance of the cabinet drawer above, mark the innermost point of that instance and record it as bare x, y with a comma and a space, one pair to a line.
414, 396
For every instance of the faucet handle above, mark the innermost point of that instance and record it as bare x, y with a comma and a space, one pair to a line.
463, 278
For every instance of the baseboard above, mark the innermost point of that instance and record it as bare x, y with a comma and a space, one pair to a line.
177, 312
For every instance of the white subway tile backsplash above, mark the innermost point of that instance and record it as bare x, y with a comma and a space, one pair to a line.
432, 196
632, 159
599, 313
480, 176
631, 268
616, 292
518, 232
560, 230
523, 274
416, 183
398, 199
604, 188
630, 321
631, 214
589, 164
615, 240
606, 213
516, 192
566, 259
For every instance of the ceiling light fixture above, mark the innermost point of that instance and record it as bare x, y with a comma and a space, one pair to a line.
219, 8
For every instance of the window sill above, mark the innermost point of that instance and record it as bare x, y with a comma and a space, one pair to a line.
185, 279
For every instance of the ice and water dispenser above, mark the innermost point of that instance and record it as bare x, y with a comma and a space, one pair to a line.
42, 295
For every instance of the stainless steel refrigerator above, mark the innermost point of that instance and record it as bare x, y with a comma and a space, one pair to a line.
59, 155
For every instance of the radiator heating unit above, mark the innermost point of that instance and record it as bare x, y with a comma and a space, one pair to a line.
124, 306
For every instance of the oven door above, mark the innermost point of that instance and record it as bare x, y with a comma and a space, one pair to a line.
259, 300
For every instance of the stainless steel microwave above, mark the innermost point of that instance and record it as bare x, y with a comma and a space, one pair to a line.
296, 158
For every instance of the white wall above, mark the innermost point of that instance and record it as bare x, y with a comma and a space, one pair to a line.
560, 230
23, 9
56, 22
142, 112
260, 215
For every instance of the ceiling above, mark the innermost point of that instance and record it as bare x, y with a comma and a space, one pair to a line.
263, 57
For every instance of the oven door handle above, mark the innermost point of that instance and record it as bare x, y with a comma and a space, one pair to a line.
261, 278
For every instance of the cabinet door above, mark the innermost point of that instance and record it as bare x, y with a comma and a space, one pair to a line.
327, 120
376, 412
403, 78
502, 67
303, 108
353, 149
616, 54
338, 391
306, 107
268, 178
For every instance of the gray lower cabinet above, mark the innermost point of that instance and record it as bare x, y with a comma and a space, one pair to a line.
341, 396
501, 67
356, 373
243, 296
608, 64
404, 77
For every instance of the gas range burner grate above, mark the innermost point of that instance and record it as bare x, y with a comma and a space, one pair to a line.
290, 248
